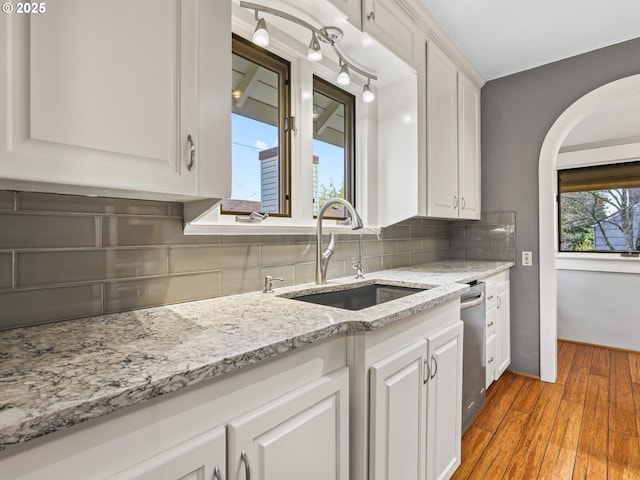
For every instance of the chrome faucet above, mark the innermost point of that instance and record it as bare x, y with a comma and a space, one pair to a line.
322, 258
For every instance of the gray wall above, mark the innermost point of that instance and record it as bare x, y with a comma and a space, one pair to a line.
599, 308
517, 113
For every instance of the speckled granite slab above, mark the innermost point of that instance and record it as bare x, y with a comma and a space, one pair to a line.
58, 375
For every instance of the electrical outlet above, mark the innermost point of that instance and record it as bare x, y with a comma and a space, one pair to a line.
527, 259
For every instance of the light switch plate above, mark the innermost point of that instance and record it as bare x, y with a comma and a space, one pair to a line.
527, 259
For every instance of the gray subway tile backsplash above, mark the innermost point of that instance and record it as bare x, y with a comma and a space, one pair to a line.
6, 200
133, 294
65, 256
30, 201
6, 270
33, 306
51, 267
46, 231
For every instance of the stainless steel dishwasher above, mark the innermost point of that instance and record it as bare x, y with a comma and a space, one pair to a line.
472, 306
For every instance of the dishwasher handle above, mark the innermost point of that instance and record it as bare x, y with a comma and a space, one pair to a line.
472, 302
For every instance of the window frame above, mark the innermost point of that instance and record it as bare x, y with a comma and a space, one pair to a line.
282, 67
349, 101
587, 180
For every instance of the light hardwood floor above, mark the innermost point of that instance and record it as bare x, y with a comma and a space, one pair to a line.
585, 426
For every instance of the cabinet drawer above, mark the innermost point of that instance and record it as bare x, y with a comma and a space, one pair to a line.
491, 322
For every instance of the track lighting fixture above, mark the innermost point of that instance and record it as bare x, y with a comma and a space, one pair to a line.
367, 94
315, 52
343, 77
328, 35
261, 34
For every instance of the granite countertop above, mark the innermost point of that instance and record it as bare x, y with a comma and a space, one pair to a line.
61, 374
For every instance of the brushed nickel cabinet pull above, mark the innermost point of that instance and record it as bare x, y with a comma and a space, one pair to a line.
434, 370
192, 152
216, 473
247, 469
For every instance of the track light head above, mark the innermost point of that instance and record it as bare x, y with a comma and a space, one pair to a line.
343, 77
367, 94
261, 34
314, 54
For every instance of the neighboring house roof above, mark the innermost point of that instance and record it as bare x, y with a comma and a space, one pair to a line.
241, 205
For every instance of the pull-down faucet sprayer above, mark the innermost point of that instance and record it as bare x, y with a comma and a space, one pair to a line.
322, 258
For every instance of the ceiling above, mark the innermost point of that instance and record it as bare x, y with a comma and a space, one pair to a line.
501, 37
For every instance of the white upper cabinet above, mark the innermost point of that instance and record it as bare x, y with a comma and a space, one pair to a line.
468, 148
453, 138
109, 97
352, 9
442, 137
386, 22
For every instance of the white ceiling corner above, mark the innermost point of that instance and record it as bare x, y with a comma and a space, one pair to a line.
501, 37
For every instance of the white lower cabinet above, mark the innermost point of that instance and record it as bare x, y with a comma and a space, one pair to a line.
504, 327
199, 458
412, 410
444, 411
302, 435
398, 416
498, 326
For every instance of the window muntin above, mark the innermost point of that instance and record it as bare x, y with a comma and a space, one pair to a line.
599, 208
260, 142
333, 146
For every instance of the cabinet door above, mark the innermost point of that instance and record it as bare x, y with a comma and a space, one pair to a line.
304, 434
397, 414
504, 329
201, 458
442, 135
352, 9
104, 94
384, 20
468, 148
492, 355
444, 417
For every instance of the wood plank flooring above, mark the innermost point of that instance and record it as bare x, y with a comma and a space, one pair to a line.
584, 426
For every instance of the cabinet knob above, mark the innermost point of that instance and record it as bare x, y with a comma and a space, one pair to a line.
490, 324
247, 469
371, 16
192, 152
490, 360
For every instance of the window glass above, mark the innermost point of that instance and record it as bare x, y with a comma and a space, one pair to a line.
599, 208
333, 146
260, 148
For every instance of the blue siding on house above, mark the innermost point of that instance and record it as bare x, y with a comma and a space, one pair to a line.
614, 234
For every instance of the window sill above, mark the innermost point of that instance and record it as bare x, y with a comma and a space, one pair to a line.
597, 262
216, 224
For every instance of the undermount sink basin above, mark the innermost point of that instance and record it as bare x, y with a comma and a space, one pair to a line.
359, 297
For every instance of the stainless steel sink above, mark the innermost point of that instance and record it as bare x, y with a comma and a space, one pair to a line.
359, 297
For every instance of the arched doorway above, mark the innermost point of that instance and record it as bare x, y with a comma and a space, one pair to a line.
547, 214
